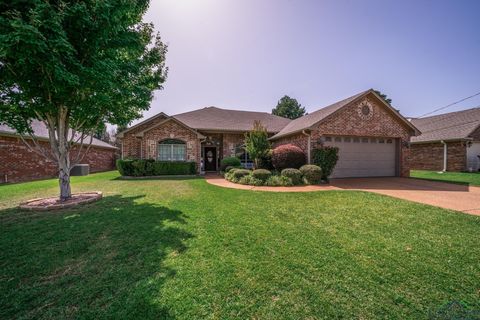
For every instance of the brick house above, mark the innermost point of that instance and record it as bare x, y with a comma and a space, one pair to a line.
449, 142
373, 138
18, 163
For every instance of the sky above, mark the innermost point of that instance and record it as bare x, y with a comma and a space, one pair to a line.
247, 54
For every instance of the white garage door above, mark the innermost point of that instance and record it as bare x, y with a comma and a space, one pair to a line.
363, 157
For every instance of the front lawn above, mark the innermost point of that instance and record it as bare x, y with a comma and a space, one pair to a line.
183, 249
468, 178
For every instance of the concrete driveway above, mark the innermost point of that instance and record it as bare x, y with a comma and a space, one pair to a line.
446, 195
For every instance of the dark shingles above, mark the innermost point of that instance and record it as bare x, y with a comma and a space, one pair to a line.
41, 131
213, 118
447, 126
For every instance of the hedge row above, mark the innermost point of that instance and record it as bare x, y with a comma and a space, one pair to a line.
150, 167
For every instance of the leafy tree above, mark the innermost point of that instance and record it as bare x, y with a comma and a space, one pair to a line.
384, 97
289, 108
256, 143
75, 65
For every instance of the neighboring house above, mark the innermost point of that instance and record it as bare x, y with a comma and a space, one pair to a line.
19, 163
449, 142
372, 136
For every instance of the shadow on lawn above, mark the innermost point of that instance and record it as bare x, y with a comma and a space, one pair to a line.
105, 260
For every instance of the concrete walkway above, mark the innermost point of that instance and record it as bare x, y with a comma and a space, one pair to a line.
445, 195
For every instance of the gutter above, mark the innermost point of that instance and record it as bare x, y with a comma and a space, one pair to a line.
309, 140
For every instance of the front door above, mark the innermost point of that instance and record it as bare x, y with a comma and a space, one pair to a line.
210, 159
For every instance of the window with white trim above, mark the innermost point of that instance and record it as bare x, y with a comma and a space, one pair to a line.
172, 150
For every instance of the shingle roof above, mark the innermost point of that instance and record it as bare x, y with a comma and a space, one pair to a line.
212, 118
41, 131
448, 126
310, 119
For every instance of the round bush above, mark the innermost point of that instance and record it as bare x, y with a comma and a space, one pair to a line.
229, 161
228, 168
239, 173
288, 156
250, 180
312, 174
294, 174
261, 174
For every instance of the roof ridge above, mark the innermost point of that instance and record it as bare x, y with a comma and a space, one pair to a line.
446, 114
234, 110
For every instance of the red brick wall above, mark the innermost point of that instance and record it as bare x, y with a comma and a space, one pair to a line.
132, 146
21, 164
170, 130
146, 146
429, 156
299, 139
349, 121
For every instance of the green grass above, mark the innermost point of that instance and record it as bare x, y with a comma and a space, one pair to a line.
183, 249
466, 178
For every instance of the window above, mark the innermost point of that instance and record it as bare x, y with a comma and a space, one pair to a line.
172, 150
243, 155
364, 140
338, 139
347, 139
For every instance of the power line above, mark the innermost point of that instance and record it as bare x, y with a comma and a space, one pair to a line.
449, 105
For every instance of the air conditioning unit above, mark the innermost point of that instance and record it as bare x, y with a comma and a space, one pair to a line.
80, 170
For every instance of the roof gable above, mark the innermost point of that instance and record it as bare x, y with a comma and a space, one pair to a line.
315, 118
158, 124
143, 124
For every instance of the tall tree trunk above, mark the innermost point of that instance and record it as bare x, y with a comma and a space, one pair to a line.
64, 176
58, 135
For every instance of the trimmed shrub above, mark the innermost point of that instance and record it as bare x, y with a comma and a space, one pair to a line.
125, 167
239, 173
288, 156
261, 174
251, 181
228, 168
229, 162
150, 167
312, 174
275, 181
326, 158
294, 174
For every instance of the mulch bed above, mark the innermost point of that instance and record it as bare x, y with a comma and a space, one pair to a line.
53, 203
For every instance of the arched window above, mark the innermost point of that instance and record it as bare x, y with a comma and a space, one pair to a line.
172, 150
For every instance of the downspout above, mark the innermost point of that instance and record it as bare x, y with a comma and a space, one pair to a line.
309, 139
444, 156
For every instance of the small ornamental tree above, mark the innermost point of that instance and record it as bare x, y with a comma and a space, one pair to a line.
75, 65
256, 143
326, 158
289, 108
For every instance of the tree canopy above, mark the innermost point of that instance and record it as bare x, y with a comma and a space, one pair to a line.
289, 108
384, 97
76, 65
256, 143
